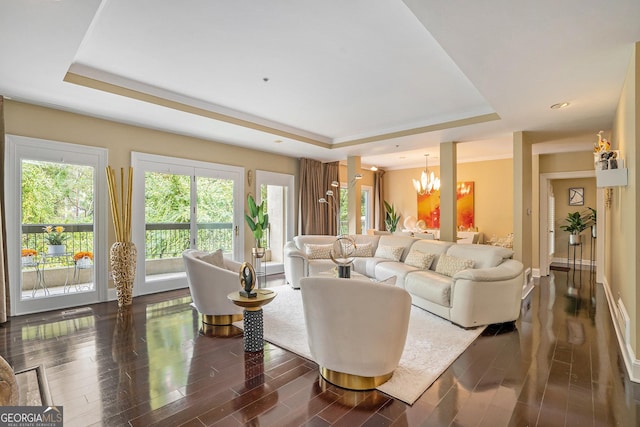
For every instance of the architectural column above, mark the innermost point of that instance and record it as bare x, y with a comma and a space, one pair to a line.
354, 195
448, 200
522, 198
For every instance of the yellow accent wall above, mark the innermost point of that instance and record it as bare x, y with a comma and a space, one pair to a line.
623, 265
493, 185
121, 139
562, 209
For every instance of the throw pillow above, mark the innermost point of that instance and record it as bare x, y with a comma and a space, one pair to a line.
450, 265
318, 251
390, 252
419, 259
363, 249
215, 258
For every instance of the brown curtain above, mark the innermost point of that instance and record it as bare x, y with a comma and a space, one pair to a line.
332, 209
311, 217
378, 201
315, 180
4, 274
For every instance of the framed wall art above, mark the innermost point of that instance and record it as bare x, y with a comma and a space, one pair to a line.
576, 196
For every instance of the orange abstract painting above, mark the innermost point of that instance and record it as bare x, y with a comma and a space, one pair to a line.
429, 207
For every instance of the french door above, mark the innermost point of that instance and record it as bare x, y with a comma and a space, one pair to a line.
55, 197
180, 204
277, 191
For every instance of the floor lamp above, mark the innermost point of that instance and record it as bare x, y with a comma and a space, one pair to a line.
330, 199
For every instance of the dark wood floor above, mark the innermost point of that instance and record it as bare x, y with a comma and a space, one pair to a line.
154, 365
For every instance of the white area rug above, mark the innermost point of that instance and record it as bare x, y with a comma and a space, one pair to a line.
432, 343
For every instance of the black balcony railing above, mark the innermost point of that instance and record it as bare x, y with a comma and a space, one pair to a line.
162, 240
169, 240
79, 237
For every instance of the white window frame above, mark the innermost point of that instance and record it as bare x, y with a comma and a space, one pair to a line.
158, 163
20, 147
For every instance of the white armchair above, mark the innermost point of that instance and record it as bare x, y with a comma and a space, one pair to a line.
209, 286
356, 329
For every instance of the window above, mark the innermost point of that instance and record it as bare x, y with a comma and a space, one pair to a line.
181, 204
61, 186
366, 209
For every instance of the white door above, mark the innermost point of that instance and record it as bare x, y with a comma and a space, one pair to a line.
56, 224
180, 204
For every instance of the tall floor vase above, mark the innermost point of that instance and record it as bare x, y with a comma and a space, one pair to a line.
123, 265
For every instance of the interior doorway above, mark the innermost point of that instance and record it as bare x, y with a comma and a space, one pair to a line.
545, 226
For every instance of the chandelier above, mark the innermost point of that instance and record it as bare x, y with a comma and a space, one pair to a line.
428, 181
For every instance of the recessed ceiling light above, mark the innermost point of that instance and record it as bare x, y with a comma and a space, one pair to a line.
374, 168
559, 105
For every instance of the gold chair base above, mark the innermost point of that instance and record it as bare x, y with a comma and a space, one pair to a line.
220, 331
353, 382
221, 319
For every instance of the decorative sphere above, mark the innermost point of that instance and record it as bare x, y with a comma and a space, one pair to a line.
410, 222
342, 250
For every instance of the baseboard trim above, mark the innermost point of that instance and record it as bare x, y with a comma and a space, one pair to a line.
620, 320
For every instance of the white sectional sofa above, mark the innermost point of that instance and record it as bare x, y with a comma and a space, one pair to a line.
470, 285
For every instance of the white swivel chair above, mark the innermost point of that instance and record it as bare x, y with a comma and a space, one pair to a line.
356, 329
209, 286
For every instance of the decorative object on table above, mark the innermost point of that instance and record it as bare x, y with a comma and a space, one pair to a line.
83, 259
391, 217
341, 254
55, 237
28, 256
247, 280
575, 224
576, 196
123, 251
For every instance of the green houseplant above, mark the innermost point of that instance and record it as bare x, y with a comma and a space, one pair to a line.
391, 217
55, 237
576, 223
258, 221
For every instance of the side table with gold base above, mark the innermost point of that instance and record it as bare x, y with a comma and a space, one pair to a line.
253, 327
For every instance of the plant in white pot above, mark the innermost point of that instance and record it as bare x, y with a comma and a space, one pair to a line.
55, 237
576, 223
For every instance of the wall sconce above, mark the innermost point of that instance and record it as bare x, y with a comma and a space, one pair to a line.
608, 197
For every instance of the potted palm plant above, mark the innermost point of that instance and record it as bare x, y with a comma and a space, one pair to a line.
575, 224
258, 221
391, 217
